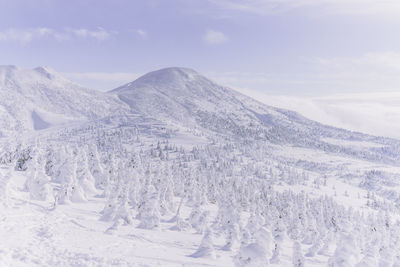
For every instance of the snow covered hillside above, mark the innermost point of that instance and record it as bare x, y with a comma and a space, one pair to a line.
175, 170
185, 97
40, 98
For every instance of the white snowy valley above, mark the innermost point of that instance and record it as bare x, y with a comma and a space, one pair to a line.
175, 170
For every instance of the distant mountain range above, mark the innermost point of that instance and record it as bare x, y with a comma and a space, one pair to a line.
40, 98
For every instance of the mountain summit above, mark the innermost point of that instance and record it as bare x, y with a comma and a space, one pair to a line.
177, 94
183, 96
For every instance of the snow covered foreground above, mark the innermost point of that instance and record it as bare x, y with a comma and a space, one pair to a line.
184, 172
34, 233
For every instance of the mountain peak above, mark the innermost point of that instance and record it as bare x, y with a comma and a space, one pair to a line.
176, 71
168, 75
45, 71
179, 94
166, 80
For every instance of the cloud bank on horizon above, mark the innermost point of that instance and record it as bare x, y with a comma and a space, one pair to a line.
25, 36
373, 113
346, 7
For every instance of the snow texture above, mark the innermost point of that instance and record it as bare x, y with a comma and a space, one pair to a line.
175, 170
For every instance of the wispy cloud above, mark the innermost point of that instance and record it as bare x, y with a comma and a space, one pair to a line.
141, 32
25, 36
98, 34
370, 72
373, 61
360, 7
214, 37
138, 32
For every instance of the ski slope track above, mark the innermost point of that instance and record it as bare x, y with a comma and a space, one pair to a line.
173, 169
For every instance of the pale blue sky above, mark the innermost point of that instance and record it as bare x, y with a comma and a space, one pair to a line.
298, 47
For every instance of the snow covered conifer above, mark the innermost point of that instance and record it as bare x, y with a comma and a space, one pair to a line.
206, 248
232, 238
310, 232
77, 192
195, 217
258, 253
327, 243
95, 167
84, 177
37, 182
318, 244
150, 215
181, 224
69, 190
166, 186
370, 255
117, 207
387, 256
279, 237
297, 258
346, 253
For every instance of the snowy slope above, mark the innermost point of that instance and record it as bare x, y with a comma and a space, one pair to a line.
40, 98
178, 95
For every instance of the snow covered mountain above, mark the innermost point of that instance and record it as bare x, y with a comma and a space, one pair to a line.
179, 95
183, 96
40, 98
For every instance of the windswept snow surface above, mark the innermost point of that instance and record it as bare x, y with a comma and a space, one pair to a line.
174, 170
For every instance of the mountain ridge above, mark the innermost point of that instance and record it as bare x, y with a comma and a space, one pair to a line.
185, 97
179, 83
43, 93
176, 95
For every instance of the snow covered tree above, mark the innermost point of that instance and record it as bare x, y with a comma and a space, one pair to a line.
37, 182
297, 258
150, 215
95, 166
206, 248
279, 234
258, 253
346, 253
70, 189
370, 256
84, 177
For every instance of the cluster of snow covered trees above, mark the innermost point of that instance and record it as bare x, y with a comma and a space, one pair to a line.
145, 183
